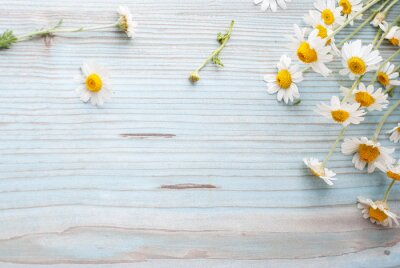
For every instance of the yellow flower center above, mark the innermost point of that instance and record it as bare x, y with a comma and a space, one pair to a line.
394, 41
323, 33
398, 129
357, 65
94, 83
284, 79
340, 115
123, 23
328, 16
346, 5
368, 153
392, 175
306, 54
383, 78
314, 172
378, 214
364, 98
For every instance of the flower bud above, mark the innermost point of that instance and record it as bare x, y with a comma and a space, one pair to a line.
379, 18
194, 77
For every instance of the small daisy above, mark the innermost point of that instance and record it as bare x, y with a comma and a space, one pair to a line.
284, 81
96, 85
378, 212
368, 97
341, 113
395, 134
312, 51
378, 20
272, 3
323, 30
317, 169
126, 22
387, 76
329, 12
392, 34
350, 8
358, 59
391, 171
367, 152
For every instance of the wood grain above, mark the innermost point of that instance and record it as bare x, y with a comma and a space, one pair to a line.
169, 174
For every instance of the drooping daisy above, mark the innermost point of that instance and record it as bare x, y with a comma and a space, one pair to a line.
125, 22
323, 30
329, 12
367, 97
96, 85
378, 19
284, 82
395, 134
350, 8
341, 113
391, 171
378, 212
387, 76
312, 51
392, 34
317, 169
273, 4
367, 152
358, 59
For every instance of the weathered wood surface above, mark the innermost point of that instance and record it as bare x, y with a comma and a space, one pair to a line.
168, 174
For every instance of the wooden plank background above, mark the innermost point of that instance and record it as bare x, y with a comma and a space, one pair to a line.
109, 186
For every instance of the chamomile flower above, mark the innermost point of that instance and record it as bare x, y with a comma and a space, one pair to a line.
367, 152
96, 85
392, 34
391, 171
329, 12
126, 22
378, 19
350, 8
273, 4
317, 169
323, 30
367, 97
358, 59
312, 51
395, 134
341, 113
378, 212
387, 76
284, 82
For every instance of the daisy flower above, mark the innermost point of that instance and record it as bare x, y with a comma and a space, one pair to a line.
323, 30
312, 51
367, 152
125, 22
341, 113
378, 212
96, 85
367, 97
317, 169
283, 83
358, 59
379, 19
391, 171
272, 3
395, 134
350, 8
329, 12
387, 77
392, 34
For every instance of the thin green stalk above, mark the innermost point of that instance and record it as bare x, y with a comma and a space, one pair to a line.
355, 84
334, 146
390, 6
386, 195
383, 120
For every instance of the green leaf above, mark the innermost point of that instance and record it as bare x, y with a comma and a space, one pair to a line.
7, 39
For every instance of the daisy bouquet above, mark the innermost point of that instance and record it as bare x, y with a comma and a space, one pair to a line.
373, 80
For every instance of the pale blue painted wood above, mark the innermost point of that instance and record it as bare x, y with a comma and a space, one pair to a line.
92, 186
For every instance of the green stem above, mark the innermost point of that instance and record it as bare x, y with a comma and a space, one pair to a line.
386, 195
383, 120
334, 146
384, 34
217, 51
355, 84
366, 7
390, 6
